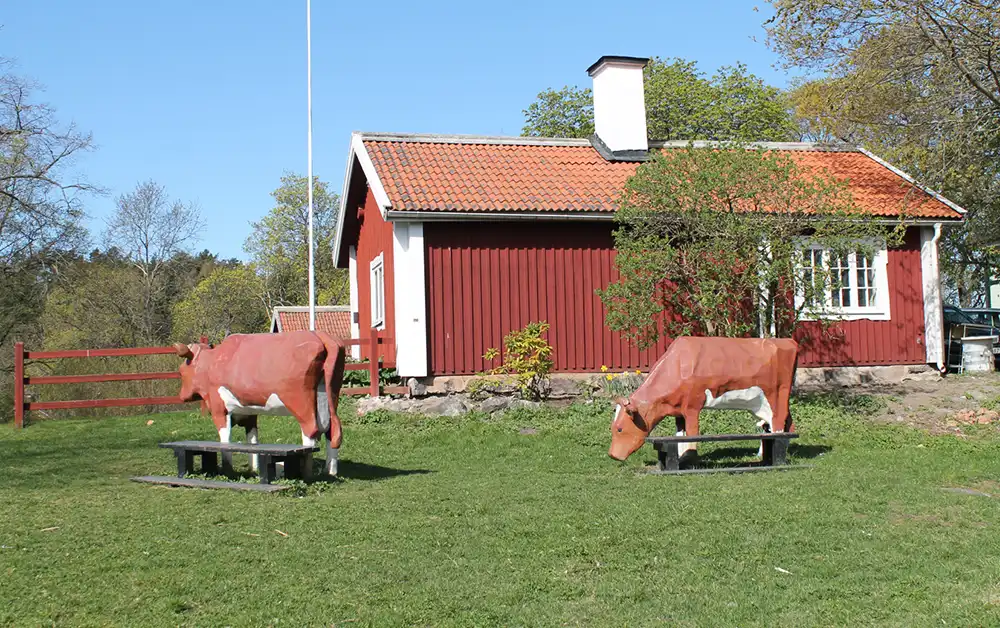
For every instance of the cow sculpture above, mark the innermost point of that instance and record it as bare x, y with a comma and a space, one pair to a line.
295, 373
752, 374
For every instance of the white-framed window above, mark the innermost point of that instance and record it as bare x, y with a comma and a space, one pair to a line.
851, 285
377, 286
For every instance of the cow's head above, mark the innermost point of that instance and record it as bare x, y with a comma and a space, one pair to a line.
628, 430
188, 370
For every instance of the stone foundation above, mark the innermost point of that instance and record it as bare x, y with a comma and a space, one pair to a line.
569, 385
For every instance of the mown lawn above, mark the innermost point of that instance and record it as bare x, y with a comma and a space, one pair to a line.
475, 522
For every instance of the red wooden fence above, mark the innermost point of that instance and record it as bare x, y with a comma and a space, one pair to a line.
21, 380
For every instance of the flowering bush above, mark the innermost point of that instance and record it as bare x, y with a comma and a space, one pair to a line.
620, 384
527, 360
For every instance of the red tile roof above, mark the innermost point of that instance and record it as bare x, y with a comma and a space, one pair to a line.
571, 176
337, 322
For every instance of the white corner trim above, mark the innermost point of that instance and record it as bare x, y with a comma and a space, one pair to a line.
917, 184
355, 306
357, 150
933, 310
378, 190
410, 299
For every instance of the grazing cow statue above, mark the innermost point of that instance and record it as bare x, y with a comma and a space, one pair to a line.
294, 373
752, 374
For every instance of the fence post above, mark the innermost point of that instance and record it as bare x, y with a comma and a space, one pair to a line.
373, 361
19, 384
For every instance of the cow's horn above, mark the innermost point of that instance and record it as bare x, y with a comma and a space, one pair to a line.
183, 351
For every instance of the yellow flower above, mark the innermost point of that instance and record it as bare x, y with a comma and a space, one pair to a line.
609, 377
638, 372
604, 369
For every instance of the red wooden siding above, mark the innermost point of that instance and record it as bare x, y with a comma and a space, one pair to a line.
375, 236
868, 343
485, 279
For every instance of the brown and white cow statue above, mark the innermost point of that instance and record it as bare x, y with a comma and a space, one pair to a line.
295, 373
752, 374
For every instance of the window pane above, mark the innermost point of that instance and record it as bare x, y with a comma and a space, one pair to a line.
866, 281
812, 278
840, 294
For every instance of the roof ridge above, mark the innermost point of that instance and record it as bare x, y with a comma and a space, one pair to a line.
437, 138
444, 138
319, 308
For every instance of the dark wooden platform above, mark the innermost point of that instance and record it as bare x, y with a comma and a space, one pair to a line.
774, 444
240, 448
293, 456
196, 483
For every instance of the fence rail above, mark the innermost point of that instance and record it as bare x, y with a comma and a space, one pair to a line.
21, 407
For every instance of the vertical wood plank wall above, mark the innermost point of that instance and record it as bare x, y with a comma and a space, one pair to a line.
375, 237
870, 343
486, 279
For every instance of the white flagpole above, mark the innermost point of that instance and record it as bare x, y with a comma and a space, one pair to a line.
309, 167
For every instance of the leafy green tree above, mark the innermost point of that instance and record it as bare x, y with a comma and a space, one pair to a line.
567, 112
279, 245
915, 81
95, 304
681, 104
708, 243
229, 301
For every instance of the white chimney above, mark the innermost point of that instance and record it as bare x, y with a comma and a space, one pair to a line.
619, 103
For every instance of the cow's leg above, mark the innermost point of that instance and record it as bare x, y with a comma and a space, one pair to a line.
687, 425
764, 409
333, 437
307, 460
225, 433
303, 408
250, 425
782, 411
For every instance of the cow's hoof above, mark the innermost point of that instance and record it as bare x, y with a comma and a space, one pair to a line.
332, 461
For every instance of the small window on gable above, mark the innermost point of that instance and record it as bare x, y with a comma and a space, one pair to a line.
377, 286
850, 285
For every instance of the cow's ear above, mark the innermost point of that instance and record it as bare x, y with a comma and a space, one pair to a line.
183, 350
639, 421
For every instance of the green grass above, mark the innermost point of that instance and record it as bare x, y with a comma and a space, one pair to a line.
467, 521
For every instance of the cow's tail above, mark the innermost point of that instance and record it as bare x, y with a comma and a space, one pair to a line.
333, 378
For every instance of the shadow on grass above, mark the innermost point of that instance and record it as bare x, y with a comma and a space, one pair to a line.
347, 470
363, 471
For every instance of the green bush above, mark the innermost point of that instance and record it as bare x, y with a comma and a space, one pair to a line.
527, 361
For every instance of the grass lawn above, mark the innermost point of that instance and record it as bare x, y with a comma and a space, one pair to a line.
477, 521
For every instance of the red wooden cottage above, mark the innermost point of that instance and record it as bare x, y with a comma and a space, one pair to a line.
453, 241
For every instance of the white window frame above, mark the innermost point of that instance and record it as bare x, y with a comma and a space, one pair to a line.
376, 287
879, 310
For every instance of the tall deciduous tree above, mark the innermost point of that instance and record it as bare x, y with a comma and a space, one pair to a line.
681, 104
41, 210
916, 81
708, 243
149, 228
40, 195
279, 245
229, 301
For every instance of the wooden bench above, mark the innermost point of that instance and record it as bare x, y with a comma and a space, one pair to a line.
295, 457
775, 446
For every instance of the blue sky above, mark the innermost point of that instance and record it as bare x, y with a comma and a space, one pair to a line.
208, 97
